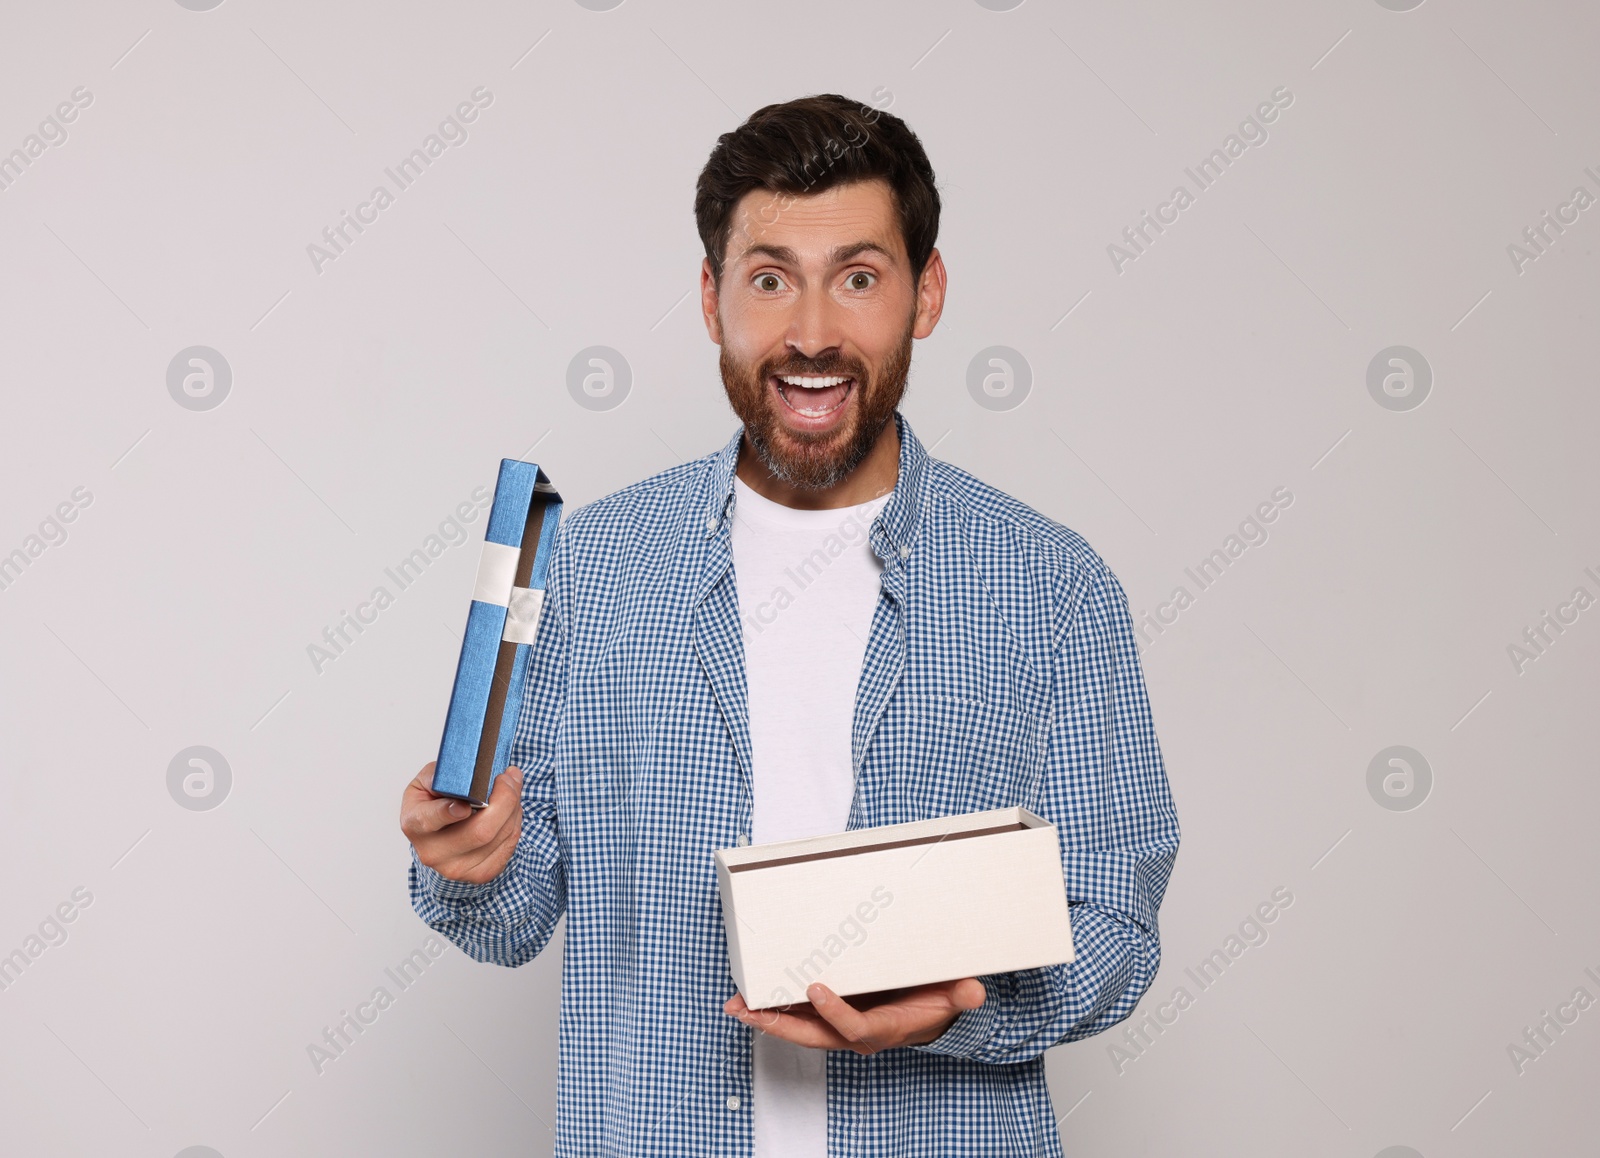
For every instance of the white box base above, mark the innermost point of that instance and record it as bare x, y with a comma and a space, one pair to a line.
894, 906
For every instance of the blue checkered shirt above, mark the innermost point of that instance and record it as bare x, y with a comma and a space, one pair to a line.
1001, 670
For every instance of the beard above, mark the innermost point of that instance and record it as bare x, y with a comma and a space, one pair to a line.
806, 459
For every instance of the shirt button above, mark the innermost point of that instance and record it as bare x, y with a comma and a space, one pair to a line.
744, 838
711, 523
733, 1101
905, 552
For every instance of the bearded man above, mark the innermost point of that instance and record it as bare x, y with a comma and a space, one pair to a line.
817, 628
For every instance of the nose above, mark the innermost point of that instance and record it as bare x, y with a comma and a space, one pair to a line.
816, 327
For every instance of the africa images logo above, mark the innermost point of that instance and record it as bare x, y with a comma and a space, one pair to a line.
1399, 378
199, 378
999, 378
199, 778
599, 378
1399, 778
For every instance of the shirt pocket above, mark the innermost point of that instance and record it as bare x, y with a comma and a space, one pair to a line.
967, 755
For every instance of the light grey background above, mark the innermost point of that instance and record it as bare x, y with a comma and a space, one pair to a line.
1167, 400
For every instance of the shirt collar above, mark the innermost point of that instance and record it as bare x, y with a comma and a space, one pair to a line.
893, 531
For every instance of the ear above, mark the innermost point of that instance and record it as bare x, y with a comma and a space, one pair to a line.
930, 296
708, 301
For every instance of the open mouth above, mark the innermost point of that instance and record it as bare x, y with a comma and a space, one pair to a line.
813, 396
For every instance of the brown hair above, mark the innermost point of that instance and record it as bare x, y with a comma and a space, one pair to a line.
809, 145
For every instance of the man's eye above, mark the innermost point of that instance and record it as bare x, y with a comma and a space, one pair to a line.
769, 282
859, 280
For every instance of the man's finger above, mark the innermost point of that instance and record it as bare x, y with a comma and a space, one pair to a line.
507, 786
851, 1023
802, 1028
968, 993
425, 817
505, 802
421, 812
424, 778
757, 1017
478, 829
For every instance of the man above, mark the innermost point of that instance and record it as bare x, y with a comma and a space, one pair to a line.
817, 628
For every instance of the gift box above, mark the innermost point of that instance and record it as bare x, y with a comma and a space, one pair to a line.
894, 906
501, 626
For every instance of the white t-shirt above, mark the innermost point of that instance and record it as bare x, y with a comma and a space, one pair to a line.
808, 586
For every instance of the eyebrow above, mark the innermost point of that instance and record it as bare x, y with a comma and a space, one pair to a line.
836, 256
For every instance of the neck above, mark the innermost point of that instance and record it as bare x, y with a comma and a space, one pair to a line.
874, 476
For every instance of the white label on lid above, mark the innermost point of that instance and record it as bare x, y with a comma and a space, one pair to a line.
522, 614
497, 572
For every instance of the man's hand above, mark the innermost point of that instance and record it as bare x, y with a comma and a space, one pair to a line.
463, 844
868, 1022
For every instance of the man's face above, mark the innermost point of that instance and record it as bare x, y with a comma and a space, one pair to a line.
815, 314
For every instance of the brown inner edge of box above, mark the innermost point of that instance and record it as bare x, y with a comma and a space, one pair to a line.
494, 715
1014, 826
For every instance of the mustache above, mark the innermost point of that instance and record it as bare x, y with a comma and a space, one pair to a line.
827, 366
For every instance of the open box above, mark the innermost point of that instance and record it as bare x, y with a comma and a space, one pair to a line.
894, 906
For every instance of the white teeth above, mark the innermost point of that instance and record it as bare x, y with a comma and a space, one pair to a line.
811, 383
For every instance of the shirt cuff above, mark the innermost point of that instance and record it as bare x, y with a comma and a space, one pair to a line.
969, 1033
436, 885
